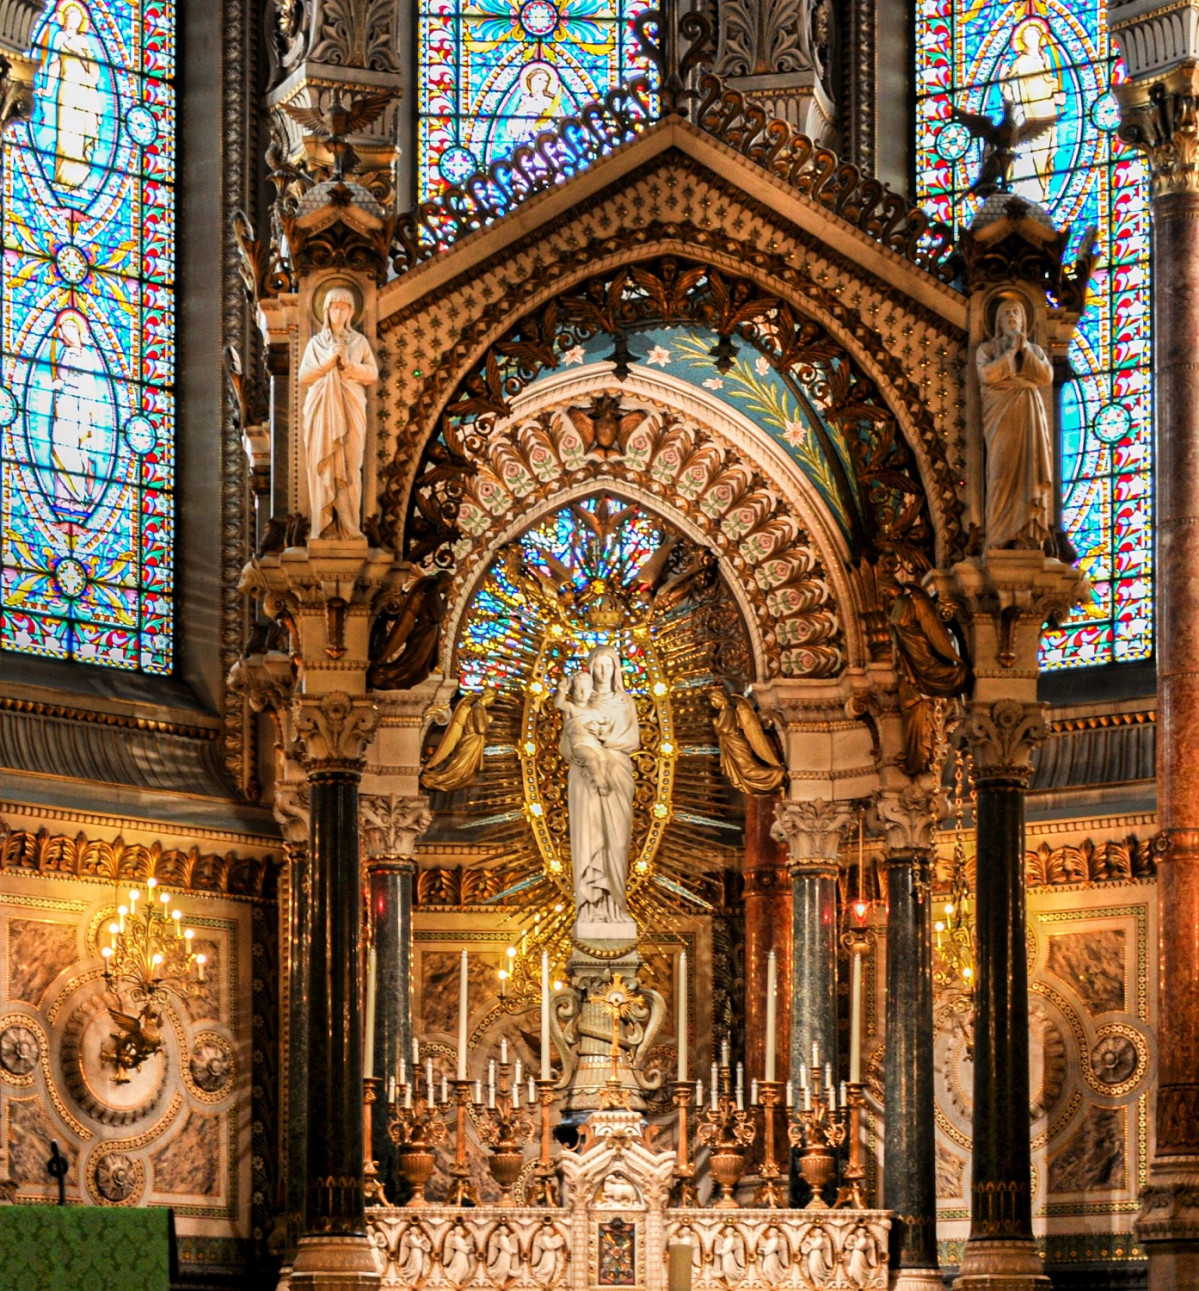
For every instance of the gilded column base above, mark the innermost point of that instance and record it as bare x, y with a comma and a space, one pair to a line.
918, 1280
1012, 1265
335, 1264
1168, 1225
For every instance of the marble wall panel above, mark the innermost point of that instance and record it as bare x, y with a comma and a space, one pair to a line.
1093, 964
1095, 1157
190, 1164
38, 950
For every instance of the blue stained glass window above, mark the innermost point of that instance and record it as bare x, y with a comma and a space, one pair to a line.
493, 73
1054, 58
87, 342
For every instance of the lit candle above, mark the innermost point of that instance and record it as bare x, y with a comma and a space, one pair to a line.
855, 1021
372, 975
681, 1010
122, 911
545, 1015
201, 960
771, 1014
462, 1007
391, 1089
790, 1094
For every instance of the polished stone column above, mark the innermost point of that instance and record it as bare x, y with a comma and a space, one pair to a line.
391, 826
812, 833
909, 1162
767, 898
1159, 110
334, 1251
1002, 738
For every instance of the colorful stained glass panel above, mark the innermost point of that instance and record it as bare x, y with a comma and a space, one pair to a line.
87, 346
493, 73
1054, 58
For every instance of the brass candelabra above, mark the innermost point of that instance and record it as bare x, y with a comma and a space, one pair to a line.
545, 1172
416, 1126
684, 1166
505, 1129
372, 1184
819, 1129
852, 1193
727, 1130
462, 1189
772, 1191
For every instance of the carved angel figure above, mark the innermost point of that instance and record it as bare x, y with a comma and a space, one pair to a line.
861, 1256
459, 756
747, 757
503, 1255
1012, 373
728, 1254
774, 1256
929, 667
336, 369
414, 1256
405, 633
547, 1254
458, 1255
819, 1257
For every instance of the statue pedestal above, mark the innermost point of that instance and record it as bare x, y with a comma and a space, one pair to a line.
603, 981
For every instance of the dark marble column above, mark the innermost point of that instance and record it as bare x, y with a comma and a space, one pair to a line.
909, 1173
767, 898
1002, 738
335, 1109
1159, 110
299, 936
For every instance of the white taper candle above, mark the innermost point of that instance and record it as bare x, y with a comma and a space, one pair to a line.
462, 1011
368, 1049
771, 1011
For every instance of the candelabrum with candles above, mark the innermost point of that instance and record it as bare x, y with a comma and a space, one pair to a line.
503, 1126
726, 1129
953, 926
149, 952
416, 1125
819, 1127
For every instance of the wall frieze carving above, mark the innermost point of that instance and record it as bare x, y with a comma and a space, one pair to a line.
1114, 860
81, 857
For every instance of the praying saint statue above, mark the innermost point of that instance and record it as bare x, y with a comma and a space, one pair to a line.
337, 367
599, 732
1012, 372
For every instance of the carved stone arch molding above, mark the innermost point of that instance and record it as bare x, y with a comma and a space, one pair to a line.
706, 471
901, 476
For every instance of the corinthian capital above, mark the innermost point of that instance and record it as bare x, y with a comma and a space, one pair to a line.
1002, 738
333, 731
391, 824
909, 817
1159, 117
812, 833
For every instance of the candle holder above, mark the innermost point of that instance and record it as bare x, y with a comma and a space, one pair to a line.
462, 1189
372, 1185
416, 1128
851, 1195
819, 1129
726, 1130
684, 1167
505, 1129
545, 1172
773, 1190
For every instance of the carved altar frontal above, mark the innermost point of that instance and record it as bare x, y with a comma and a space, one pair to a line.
615, 1230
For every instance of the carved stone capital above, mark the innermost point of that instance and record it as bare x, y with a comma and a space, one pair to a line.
266, 680
392, 823
1170, 1204
909, 817
1002, 738
16, 88
1160, 118
333, 731
811, 832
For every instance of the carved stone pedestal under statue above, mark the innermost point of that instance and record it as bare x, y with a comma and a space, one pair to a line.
345, 1263
603, 1027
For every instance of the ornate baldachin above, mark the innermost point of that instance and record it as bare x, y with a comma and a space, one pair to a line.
670, 291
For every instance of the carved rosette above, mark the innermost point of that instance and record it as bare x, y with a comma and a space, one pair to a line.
391, 825
1002, 738
333, 732
812, 834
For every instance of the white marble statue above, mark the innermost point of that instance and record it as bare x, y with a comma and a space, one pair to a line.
547, 1254
1012, 373
774, 1259
599, 732
458, 1255
336, 369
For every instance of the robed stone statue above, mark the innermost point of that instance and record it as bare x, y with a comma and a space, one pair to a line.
336, 369
599, 733
1012, 372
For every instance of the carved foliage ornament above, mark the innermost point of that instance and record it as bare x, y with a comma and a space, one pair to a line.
1002, 738
811, 831
391, 824
334, 731
1164, 125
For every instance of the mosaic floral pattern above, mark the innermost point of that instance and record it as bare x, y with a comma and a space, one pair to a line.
1054, 58
87, 342
496, 72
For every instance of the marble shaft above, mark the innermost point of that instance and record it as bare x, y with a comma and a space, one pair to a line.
909, 1175
299, 938
391, 923
335, 1203
767, 919
814, 946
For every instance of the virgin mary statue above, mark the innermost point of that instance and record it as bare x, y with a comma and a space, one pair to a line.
599, 733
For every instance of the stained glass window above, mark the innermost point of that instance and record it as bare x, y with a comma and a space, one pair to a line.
493, 73
87, 341
1054, 58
